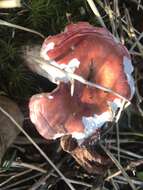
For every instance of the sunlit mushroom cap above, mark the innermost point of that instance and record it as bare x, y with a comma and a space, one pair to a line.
94, 54
58, 113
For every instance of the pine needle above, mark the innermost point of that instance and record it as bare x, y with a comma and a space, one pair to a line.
96, 12
118, 166
5, 23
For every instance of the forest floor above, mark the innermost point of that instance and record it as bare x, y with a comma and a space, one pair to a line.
33, 163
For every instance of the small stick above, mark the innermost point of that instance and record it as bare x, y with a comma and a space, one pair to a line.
30, 166
130, 166
96, 12
118, 166
3, 22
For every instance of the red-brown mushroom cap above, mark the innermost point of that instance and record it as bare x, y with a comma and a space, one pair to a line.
94, 54
58, 113
87, 50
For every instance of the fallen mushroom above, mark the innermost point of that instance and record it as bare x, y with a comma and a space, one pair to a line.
94, 54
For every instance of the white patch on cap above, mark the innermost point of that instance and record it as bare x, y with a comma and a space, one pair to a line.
50, 97
94, 122
128, 69
76, 135
117, 103
58, 135
71, 66
45, 49
56, 72
91, 124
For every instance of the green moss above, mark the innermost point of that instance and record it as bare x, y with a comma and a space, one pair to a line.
45, 16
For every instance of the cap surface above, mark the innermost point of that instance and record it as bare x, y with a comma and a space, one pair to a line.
94, 54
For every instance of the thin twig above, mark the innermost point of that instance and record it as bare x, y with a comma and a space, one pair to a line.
111, 17
30, 166
118, 141
131, 134
118, 166
137, 156
112, 181
136, 182
21, 181
136, 42
23, 141
122, 141
130, 166
96, 12
79, 183
15, 176
43, 179
5, 23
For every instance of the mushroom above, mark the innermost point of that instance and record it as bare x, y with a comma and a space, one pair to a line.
95, 55
58, 114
